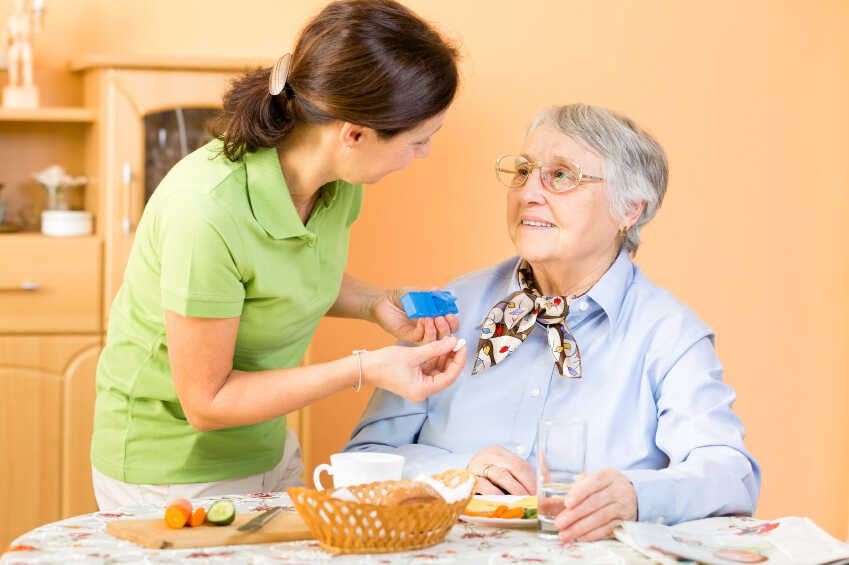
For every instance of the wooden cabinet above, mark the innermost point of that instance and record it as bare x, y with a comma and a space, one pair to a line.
49, 284
138, 117
46, 402
50, 330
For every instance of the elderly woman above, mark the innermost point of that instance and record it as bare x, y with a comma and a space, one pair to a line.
663, 443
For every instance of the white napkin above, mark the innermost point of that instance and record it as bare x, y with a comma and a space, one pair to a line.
449, 494
344, 494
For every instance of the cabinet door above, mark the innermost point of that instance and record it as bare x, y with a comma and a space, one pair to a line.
77, 425
33, 377
133, 100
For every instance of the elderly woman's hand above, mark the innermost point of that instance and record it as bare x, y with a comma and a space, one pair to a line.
499, 470
389, 314
595, 505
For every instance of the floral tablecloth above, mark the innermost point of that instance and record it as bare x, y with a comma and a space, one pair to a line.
83, 539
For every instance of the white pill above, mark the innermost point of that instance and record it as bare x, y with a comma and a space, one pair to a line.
459, 345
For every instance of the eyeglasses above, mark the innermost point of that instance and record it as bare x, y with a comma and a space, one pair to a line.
514, 171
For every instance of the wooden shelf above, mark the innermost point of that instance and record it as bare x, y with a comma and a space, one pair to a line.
169, 63
25, 236
48, 114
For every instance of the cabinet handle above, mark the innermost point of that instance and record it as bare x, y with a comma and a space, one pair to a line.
127, 177
26, 285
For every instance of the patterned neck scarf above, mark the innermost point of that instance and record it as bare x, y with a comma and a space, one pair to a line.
510, 321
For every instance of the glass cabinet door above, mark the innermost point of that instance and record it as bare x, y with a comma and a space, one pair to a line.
169, 136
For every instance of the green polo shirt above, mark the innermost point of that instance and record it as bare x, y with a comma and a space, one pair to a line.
217, 240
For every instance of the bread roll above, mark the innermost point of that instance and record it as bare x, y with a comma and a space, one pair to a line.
410, 493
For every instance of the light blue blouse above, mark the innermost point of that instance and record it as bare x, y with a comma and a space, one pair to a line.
651, 392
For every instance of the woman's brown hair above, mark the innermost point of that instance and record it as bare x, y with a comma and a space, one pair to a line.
369, 62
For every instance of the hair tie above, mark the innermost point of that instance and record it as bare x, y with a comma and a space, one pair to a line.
279, 74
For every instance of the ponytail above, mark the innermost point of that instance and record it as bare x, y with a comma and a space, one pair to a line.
251, 117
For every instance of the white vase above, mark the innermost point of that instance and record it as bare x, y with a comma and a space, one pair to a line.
66, 222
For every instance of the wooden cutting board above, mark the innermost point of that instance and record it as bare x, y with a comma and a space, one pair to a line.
285, 526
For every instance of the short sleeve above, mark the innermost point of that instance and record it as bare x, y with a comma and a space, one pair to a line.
199, 273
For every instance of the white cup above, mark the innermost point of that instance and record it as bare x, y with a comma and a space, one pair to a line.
360, 467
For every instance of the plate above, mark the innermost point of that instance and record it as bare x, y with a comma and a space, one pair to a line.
500, 522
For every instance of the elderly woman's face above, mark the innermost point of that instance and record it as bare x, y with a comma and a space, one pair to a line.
573, 227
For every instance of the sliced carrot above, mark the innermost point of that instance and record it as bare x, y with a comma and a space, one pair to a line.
176, 517
499, 511
513, 513
177, 513
198, 517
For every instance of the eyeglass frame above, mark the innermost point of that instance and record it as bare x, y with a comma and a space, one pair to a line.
545, 183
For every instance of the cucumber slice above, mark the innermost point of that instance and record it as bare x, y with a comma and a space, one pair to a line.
530, 514
221, 513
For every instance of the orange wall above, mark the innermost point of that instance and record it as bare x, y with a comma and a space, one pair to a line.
751, 101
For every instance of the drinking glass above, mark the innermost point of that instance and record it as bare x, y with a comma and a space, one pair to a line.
561, 459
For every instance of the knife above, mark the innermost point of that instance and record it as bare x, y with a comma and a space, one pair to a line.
257, 522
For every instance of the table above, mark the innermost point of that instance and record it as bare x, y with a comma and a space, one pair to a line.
83, 539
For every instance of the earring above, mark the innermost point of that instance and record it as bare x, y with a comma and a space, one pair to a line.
347, 148
623, 231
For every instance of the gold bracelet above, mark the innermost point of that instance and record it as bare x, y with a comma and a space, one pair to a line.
356, 354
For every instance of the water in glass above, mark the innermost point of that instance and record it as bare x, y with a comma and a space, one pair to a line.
550, 502
561, 455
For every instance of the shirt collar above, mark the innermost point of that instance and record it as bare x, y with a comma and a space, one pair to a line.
609, 291
328, 193
270, 199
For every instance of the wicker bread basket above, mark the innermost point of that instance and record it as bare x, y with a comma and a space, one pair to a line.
366, 526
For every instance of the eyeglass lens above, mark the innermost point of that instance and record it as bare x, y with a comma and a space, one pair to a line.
514, 171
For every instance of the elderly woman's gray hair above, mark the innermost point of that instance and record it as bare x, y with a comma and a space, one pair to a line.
635, 166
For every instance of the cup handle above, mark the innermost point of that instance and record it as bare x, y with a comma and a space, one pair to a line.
316, 476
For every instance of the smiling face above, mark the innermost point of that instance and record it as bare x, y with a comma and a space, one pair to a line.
572, 230
372, 158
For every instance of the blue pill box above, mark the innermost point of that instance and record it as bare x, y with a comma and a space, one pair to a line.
429, 304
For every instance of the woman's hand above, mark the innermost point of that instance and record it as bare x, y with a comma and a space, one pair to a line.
389, 314
500, 471
414, 373
595, 505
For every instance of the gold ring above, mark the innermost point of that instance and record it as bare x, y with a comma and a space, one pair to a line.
485, 470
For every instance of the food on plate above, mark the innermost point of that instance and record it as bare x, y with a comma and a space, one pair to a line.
525, 508
177, 513
412, 493
221, 513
